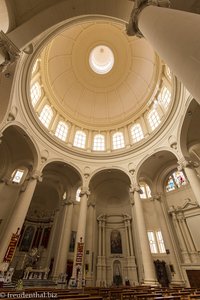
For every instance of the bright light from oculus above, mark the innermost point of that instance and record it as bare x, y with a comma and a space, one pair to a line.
101, 59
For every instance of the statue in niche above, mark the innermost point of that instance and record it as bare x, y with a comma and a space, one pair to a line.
116, 243
117, 278
33, 258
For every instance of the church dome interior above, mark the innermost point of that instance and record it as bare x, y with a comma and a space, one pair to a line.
99, 145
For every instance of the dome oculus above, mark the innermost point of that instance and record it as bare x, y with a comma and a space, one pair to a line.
101, 59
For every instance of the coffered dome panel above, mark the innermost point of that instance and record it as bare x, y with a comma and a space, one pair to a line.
83, 95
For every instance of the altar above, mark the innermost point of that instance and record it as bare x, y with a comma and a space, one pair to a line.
32, 273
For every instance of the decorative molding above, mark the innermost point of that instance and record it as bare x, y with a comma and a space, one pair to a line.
42, 215
12, 114
8, 51
87, 172
131, 168
185, 163
67, 201
186, 206
37, 175
84, 191
132, 27
44, 155
135, 188
156, 197
172, 142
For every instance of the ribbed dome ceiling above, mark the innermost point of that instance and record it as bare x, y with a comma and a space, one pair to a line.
89, 98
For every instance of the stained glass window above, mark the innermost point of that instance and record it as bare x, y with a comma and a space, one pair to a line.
176, 180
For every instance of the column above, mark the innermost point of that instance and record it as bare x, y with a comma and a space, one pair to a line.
60, 259
80, 237
148, 266
52, 238
90, 239
99, 256
181, 241
174, 257
104, 250
130, 238
135, 234
188, 234
104, 238
185, 232
127, 238
191, 176
174, 35
100, 234
19, 212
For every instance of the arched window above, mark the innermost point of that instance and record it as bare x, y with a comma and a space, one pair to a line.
61, 131
78, 198
35, 93
46, 115
154, 119
145, 191
17, 176
99, 142
137, 133
175, 180
165, 97
118, 140
80, 139
156, 241
65, 196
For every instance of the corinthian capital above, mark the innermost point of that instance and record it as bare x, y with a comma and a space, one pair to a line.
8, 52
84, 191
139, 5
184, 163
37, 175
156, 197
134, 188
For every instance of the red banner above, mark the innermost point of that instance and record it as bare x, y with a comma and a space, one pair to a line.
79, 255
11, 248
